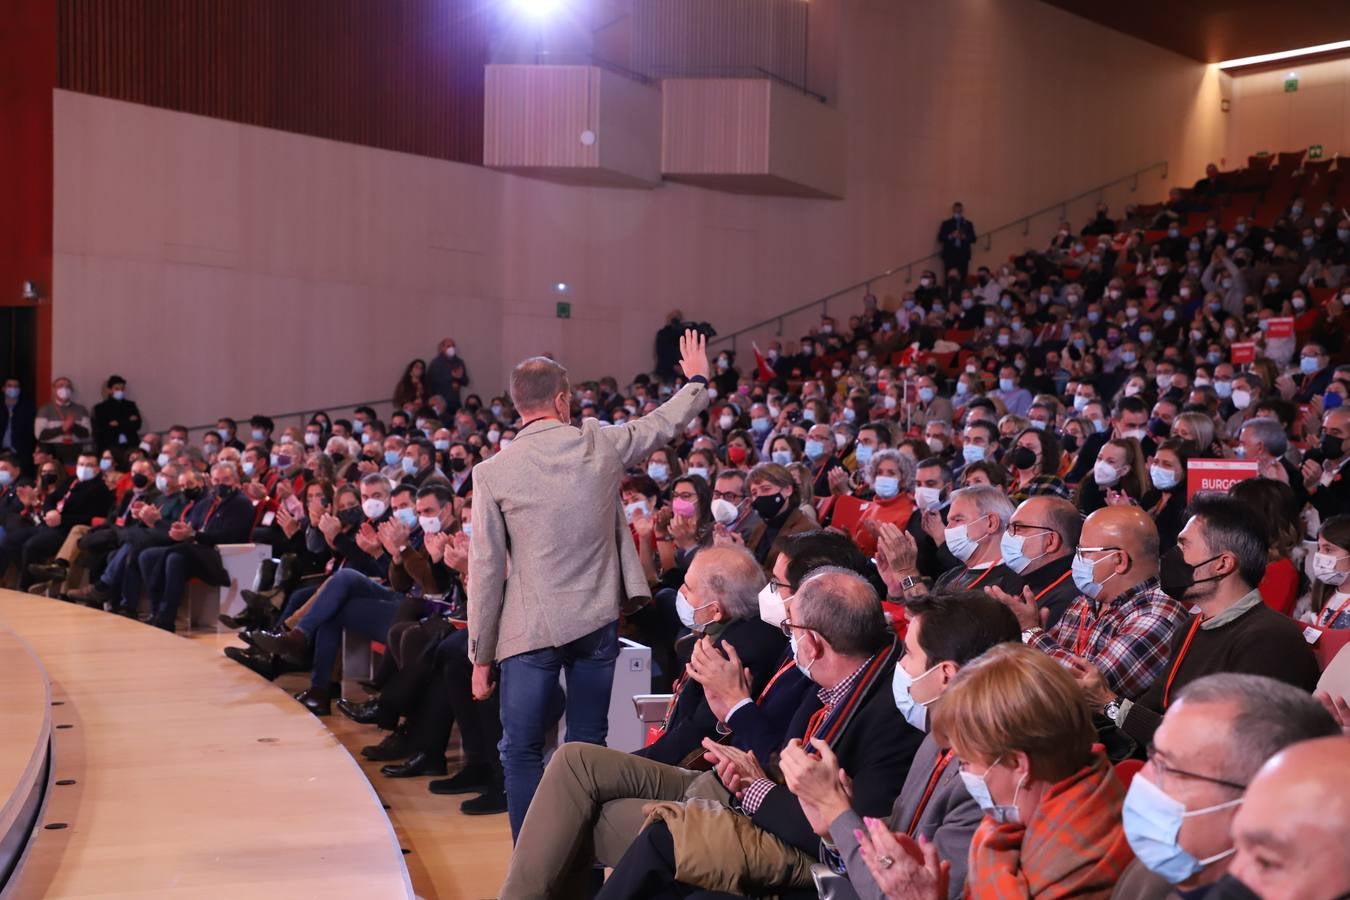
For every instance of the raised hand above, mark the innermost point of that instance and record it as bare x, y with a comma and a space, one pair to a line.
1023, 606
694, 354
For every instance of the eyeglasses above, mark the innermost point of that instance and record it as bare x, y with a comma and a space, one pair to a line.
733, 496
1164, 768
1017, 529
788, 625
685, 495
1082, 550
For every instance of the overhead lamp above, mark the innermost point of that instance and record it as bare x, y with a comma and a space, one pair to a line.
1283, 54
536, 9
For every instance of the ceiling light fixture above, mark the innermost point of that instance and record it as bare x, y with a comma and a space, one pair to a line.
1283, 54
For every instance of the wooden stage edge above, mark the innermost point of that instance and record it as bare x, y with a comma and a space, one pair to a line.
177, 773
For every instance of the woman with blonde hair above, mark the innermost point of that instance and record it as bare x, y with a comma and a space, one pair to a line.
1198, 430
1022, 729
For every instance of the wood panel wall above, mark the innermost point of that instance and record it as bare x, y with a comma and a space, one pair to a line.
401, 75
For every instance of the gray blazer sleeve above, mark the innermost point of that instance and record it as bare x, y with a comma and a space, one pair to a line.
636, 438
952, 838
488, 555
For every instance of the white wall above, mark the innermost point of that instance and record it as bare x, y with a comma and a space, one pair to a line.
227, 269
1264, 117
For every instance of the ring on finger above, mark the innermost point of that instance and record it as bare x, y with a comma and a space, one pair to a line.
885, 862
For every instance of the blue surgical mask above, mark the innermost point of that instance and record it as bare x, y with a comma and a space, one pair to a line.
886, 486
1152, 821
391, 457
257, 434
105, 464
1010, 547
407, 516
686, 611
760, 426
1308, 364
863, 454
1005, 384
979, 792
249, 469
782, 457
6, 477
815, 450
926, 394
902, 683
1084, 577
658, 471
224, 433
409, 465
700, 471
1163, 479
972, 453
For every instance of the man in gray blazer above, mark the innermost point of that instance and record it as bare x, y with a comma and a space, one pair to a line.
946, 631
552, 561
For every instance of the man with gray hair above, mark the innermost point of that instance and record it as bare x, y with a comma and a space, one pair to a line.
1263, 440
719, 603
552, 560
976, 520
1180, 806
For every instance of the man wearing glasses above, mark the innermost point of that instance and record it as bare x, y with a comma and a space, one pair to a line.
1122, 623
1039, 545
737, 521
1180, 806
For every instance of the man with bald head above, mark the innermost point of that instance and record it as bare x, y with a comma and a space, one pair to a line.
1211, 743
719, 603
1290, 832
1121, 623
1039, 546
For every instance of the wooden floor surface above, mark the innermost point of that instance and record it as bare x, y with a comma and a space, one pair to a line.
450, 856
191, 777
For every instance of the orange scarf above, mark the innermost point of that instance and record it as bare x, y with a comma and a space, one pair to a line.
1073, 846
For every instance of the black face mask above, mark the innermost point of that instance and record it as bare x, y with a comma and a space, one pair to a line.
1332, 447
338, 458
1158, 428
1176, 576
352, 515
49, 478
225, 491
1069, 443
1022, 458
769, 507
139, 480
457, 464
193, 493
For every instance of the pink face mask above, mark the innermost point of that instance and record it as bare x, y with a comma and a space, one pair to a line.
686, 508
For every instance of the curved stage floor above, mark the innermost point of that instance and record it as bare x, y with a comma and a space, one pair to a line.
174, 772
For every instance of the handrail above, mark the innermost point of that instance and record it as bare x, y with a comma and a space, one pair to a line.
299, 412
1023, 222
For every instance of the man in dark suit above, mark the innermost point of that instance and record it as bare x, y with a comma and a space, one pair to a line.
721, 598
956, 235
16, 423
117, 420
87, 499
225, 516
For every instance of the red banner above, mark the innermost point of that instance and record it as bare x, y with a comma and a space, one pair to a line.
1217, 474
1280, 328
1243, 352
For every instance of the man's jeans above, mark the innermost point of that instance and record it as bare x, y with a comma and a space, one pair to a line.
529, 698
352, 601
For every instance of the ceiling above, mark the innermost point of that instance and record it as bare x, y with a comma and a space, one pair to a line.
1215, 30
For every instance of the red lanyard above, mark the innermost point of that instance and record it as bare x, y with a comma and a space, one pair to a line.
782, 670
814, 723
1181, 654
1080, 642
985, 574
1054, 584
938, 769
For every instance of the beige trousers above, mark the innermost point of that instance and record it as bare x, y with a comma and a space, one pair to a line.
588, 808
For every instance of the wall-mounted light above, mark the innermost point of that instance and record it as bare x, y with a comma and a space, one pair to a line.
1283, 54
536, 9
561, 287
30, 291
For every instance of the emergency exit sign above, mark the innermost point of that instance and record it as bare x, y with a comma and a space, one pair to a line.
564, 310
1315, 151
1291, 84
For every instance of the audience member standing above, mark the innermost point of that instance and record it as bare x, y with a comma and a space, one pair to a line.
62, 426
555, 495
447, 375
117, 420
956, 235
17, 415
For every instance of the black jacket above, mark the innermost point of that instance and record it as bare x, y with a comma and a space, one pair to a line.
759, 646
19, 419
83, 502
125, 434
959, 245
875, 750
227, 521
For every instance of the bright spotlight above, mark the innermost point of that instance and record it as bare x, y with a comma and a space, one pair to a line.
537, 9
561, 287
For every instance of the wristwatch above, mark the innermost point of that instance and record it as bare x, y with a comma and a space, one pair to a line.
909, 582
1112, 710
1029, 634
699, 379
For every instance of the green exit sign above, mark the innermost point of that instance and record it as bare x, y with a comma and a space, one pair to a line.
1290, 85
564, 310
1315, 151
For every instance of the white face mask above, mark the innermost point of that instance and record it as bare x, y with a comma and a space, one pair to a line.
430, 524
634, 508
978, 789
373, 507
772, 608
1324, 569
902, 684
724, 511
927, 497
1105, 474
1163, 479
805, 668
959, 543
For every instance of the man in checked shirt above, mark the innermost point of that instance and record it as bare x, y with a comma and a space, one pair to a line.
1122, 622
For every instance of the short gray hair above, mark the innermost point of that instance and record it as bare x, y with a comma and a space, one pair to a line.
1269, 433
1270, 715
842, 607
901, 460
988, 500
375, 479
536, 381
733, 578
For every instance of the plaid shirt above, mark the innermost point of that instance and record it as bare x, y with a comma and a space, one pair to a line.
759, 788
1041, 486
1129, 640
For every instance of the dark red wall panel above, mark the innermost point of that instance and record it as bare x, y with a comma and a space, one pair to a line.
27, 76
402, 75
